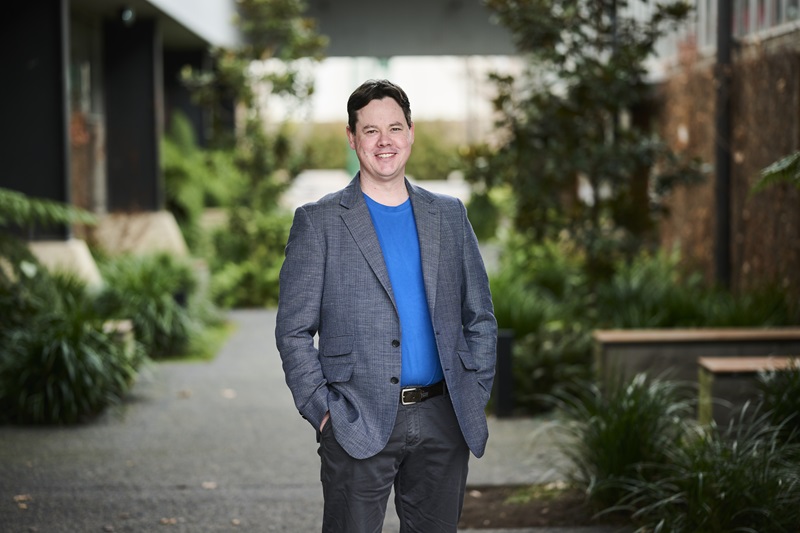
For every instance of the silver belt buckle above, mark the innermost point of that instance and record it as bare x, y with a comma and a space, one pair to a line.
410, 390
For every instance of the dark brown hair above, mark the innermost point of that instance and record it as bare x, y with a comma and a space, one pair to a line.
376, 90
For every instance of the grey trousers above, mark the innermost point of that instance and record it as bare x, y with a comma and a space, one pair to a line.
425, 461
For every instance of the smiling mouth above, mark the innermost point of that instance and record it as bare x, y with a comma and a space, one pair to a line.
384, 156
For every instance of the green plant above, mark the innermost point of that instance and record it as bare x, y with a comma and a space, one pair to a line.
154, 292
484, 215
326, 146
185, 176
762, 306
779, 392
554, 357
18, 301
60, 365
742, 478
650, 291
434, 156
197, 178
280, 40
786, 170
574, 147
249, 256
617, 429
21, 210
541, 293
274, 30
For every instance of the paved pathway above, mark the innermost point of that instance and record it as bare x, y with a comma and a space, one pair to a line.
206, 447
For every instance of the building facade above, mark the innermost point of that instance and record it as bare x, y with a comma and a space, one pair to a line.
757, 90
88, 85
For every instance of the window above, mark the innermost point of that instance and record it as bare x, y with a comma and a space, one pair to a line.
792, 10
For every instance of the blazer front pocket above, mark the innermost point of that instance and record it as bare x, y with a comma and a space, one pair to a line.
467, 360
337, 358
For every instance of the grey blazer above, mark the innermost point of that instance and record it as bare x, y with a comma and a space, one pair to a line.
334, 284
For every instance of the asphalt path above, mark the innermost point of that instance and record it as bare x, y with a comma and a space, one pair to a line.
208, 447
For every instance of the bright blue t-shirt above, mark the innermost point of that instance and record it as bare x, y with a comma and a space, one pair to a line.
397, 234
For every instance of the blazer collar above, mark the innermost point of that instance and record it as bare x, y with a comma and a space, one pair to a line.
352, 194
427, 217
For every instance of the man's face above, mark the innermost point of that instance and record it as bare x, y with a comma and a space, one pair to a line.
382, 140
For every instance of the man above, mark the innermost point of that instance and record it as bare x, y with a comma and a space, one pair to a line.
389, 276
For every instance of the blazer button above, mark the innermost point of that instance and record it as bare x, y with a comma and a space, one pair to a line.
394, 381
395, 343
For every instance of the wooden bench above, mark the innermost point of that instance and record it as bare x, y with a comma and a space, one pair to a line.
673, 353
726, 383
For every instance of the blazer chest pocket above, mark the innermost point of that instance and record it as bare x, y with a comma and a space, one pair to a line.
337, 358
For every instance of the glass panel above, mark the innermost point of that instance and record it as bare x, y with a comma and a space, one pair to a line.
741, 16
708, 23
777, 11
792, 10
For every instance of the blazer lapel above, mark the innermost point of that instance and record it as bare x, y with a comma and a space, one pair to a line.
428, 220
359, 223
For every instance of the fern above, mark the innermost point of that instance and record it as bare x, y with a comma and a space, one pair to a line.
17, 209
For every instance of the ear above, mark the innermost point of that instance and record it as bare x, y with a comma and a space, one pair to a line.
411, 131
350, 137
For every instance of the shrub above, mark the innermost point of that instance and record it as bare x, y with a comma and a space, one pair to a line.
537, 281
248, 259
653, 291
650, 292
435, 156
779, 392
18, 299
154, 292
59, 365
616, 430
484, 215
743, 478
543, 293
195, 178
326, 146
635, 448
557, 356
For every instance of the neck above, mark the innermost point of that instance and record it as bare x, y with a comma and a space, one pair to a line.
391, 193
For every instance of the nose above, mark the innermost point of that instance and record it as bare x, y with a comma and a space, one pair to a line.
384, 139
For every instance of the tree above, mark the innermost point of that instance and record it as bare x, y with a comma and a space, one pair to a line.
271, 30
277, 39
576, 148
248, 250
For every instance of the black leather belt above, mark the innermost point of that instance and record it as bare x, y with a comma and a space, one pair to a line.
412, 395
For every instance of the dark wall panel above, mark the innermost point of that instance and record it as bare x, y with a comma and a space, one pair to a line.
132, 70
33, 101
177, 97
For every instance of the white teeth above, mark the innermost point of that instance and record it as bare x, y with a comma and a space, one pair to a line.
385, 156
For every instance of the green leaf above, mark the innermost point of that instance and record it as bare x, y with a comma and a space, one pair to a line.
786, 170
21, 210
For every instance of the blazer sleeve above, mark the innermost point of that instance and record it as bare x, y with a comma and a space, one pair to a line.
301, 282
477, 312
